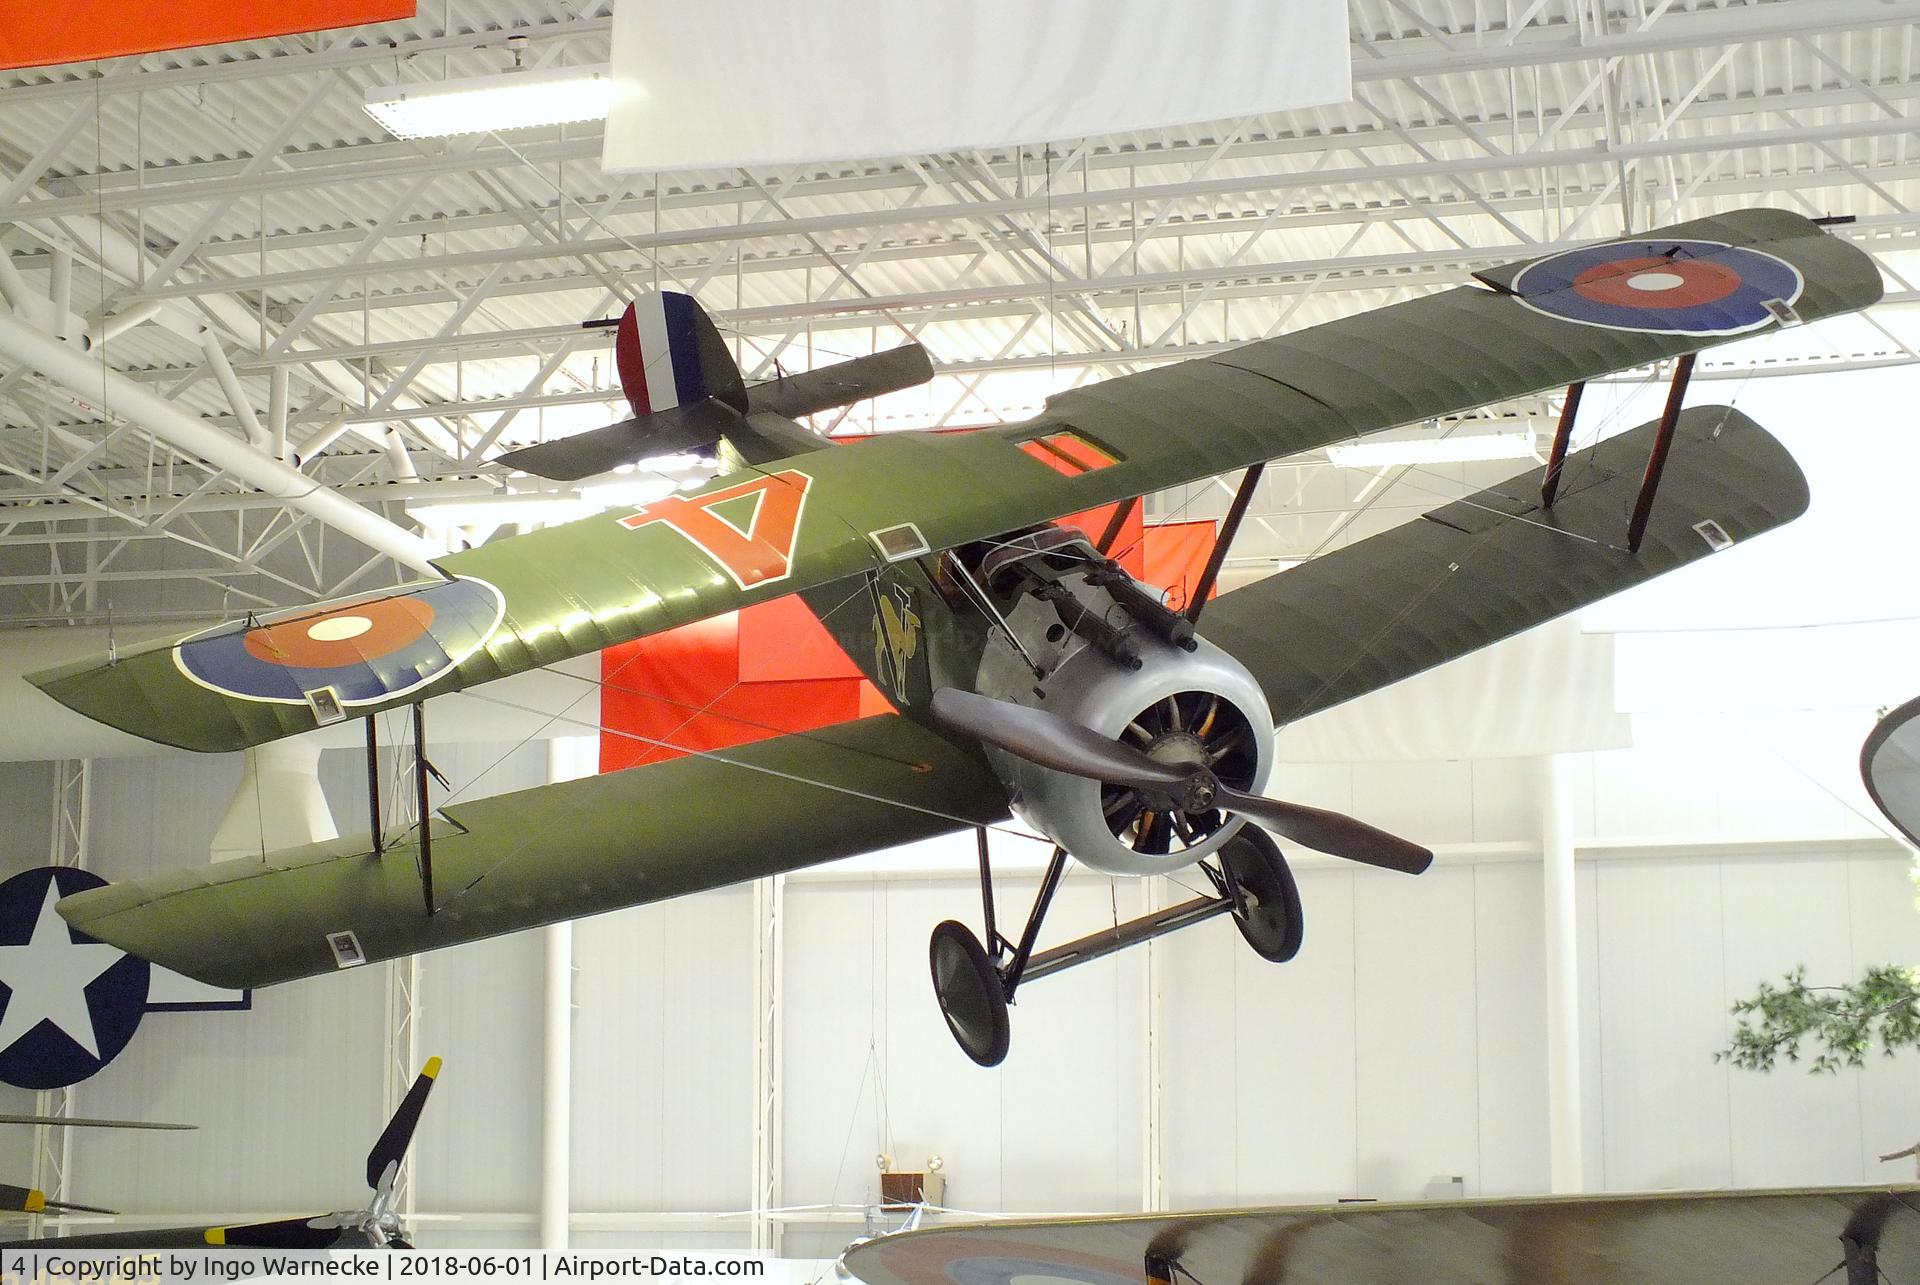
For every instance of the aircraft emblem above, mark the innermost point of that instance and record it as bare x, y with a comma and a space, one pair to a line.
1664, 287
72, 1002
362, 649
896, 636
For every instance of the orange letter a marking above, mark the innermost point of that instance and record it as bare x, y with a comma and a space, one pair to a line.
761, 553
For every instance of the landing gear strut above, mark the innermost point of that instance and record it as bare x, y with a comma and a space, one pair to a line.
974, 983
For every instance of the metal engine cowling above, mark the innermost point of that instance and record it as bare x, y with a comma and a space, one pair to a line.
1176, 704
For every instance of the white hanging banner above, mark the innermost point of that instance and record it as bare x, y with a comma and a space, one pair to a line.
1546, 691
730, 83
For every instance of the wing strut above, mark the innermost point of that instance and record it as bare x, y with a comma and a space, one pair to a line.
373, 788
1236, 513
421, 770
1657, 458
1562, 438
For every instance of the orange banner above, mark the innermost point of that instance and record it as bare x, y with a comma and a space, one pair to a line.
35, 33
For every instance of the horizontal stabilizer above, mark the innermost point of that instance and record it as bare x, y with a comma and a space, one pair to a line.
666, 432
843, 383
697, 426
1497, 563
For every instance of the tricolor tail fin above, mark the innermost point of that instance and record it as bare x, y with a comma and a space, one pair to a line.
669, 353
687, 395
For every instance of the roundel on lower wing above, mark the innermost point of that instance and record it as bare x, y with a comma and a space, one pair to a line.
1661, 287
368, 648
1001, 1260
1014, 1269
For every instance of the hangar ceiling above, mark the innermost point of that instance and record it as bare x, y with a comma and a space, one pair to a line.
415, 307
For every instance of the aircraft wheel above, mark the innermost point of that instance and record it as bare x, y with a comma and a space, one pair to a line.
971, 996
1272, 924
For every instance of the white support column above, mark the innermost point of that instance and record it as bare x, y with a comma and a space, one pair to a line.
568, 758
277, 413
1153, 1181
556, 1097
230, 385
1562, 976
769, 896
403, 1064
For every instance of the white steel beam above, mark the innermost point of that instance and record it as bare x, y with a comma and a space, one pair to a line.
123, 396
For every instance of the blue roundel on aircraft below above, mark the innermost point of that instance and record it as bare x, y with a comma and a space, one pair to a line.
1661, 287
71, 1002
1001, 1269
368, 648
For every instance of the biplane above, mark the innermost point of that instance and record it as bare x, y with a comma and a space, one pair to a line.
1029, 673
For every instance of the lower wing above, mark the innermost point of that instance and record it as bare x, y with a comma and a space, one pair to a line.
1497, 563
552, 852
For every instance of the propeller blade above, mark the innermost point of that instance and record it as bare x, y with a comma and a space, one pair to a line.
383, 1162
70, 1206
1055, 742
321, 1232
82, 1122
21, 1200
1333, 833
1065, 746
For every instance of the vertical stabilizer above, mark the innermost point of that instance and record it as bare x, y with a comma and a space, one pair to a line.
669, 353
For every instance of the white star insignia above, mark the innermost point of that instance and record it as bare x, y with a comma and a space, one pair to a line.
49, 977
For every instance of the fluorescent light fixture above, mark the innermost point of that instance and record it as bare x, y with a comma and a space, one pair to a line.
486, 104
1430, 447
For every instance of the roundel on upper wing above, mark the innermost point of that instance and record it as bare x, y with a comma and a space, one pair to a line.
367, 648
1661, 287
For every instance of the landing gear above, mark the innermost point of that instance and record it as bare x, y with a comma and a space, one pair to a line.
974, 983
971, 995
1261, 882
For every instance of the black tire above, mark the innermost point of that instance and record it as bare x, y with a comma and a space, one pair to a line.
1272, 924
970, 993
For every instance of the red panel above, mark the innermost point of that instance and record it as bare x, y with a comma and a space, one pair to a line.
1127, 548
783, 640
1055, 462
53, 31
653, 686
1175, 555
1079, 450
747, 712
686, 687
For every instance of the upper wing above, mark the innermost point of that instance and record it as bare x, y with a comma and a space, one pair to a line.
554, 852
813, 518
1496, 563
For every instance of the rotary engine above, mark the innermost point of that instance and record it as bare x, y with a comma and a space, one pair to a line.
1092, 646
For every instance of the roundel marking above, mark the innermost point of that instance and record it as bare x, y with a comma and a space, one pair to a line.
342, 637
1002, 1260
71, 1002
1005, 1269
368, 648
1661, 287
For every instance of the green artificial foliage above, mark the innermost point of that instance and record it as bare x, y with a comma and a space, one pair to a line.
1840, 1025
